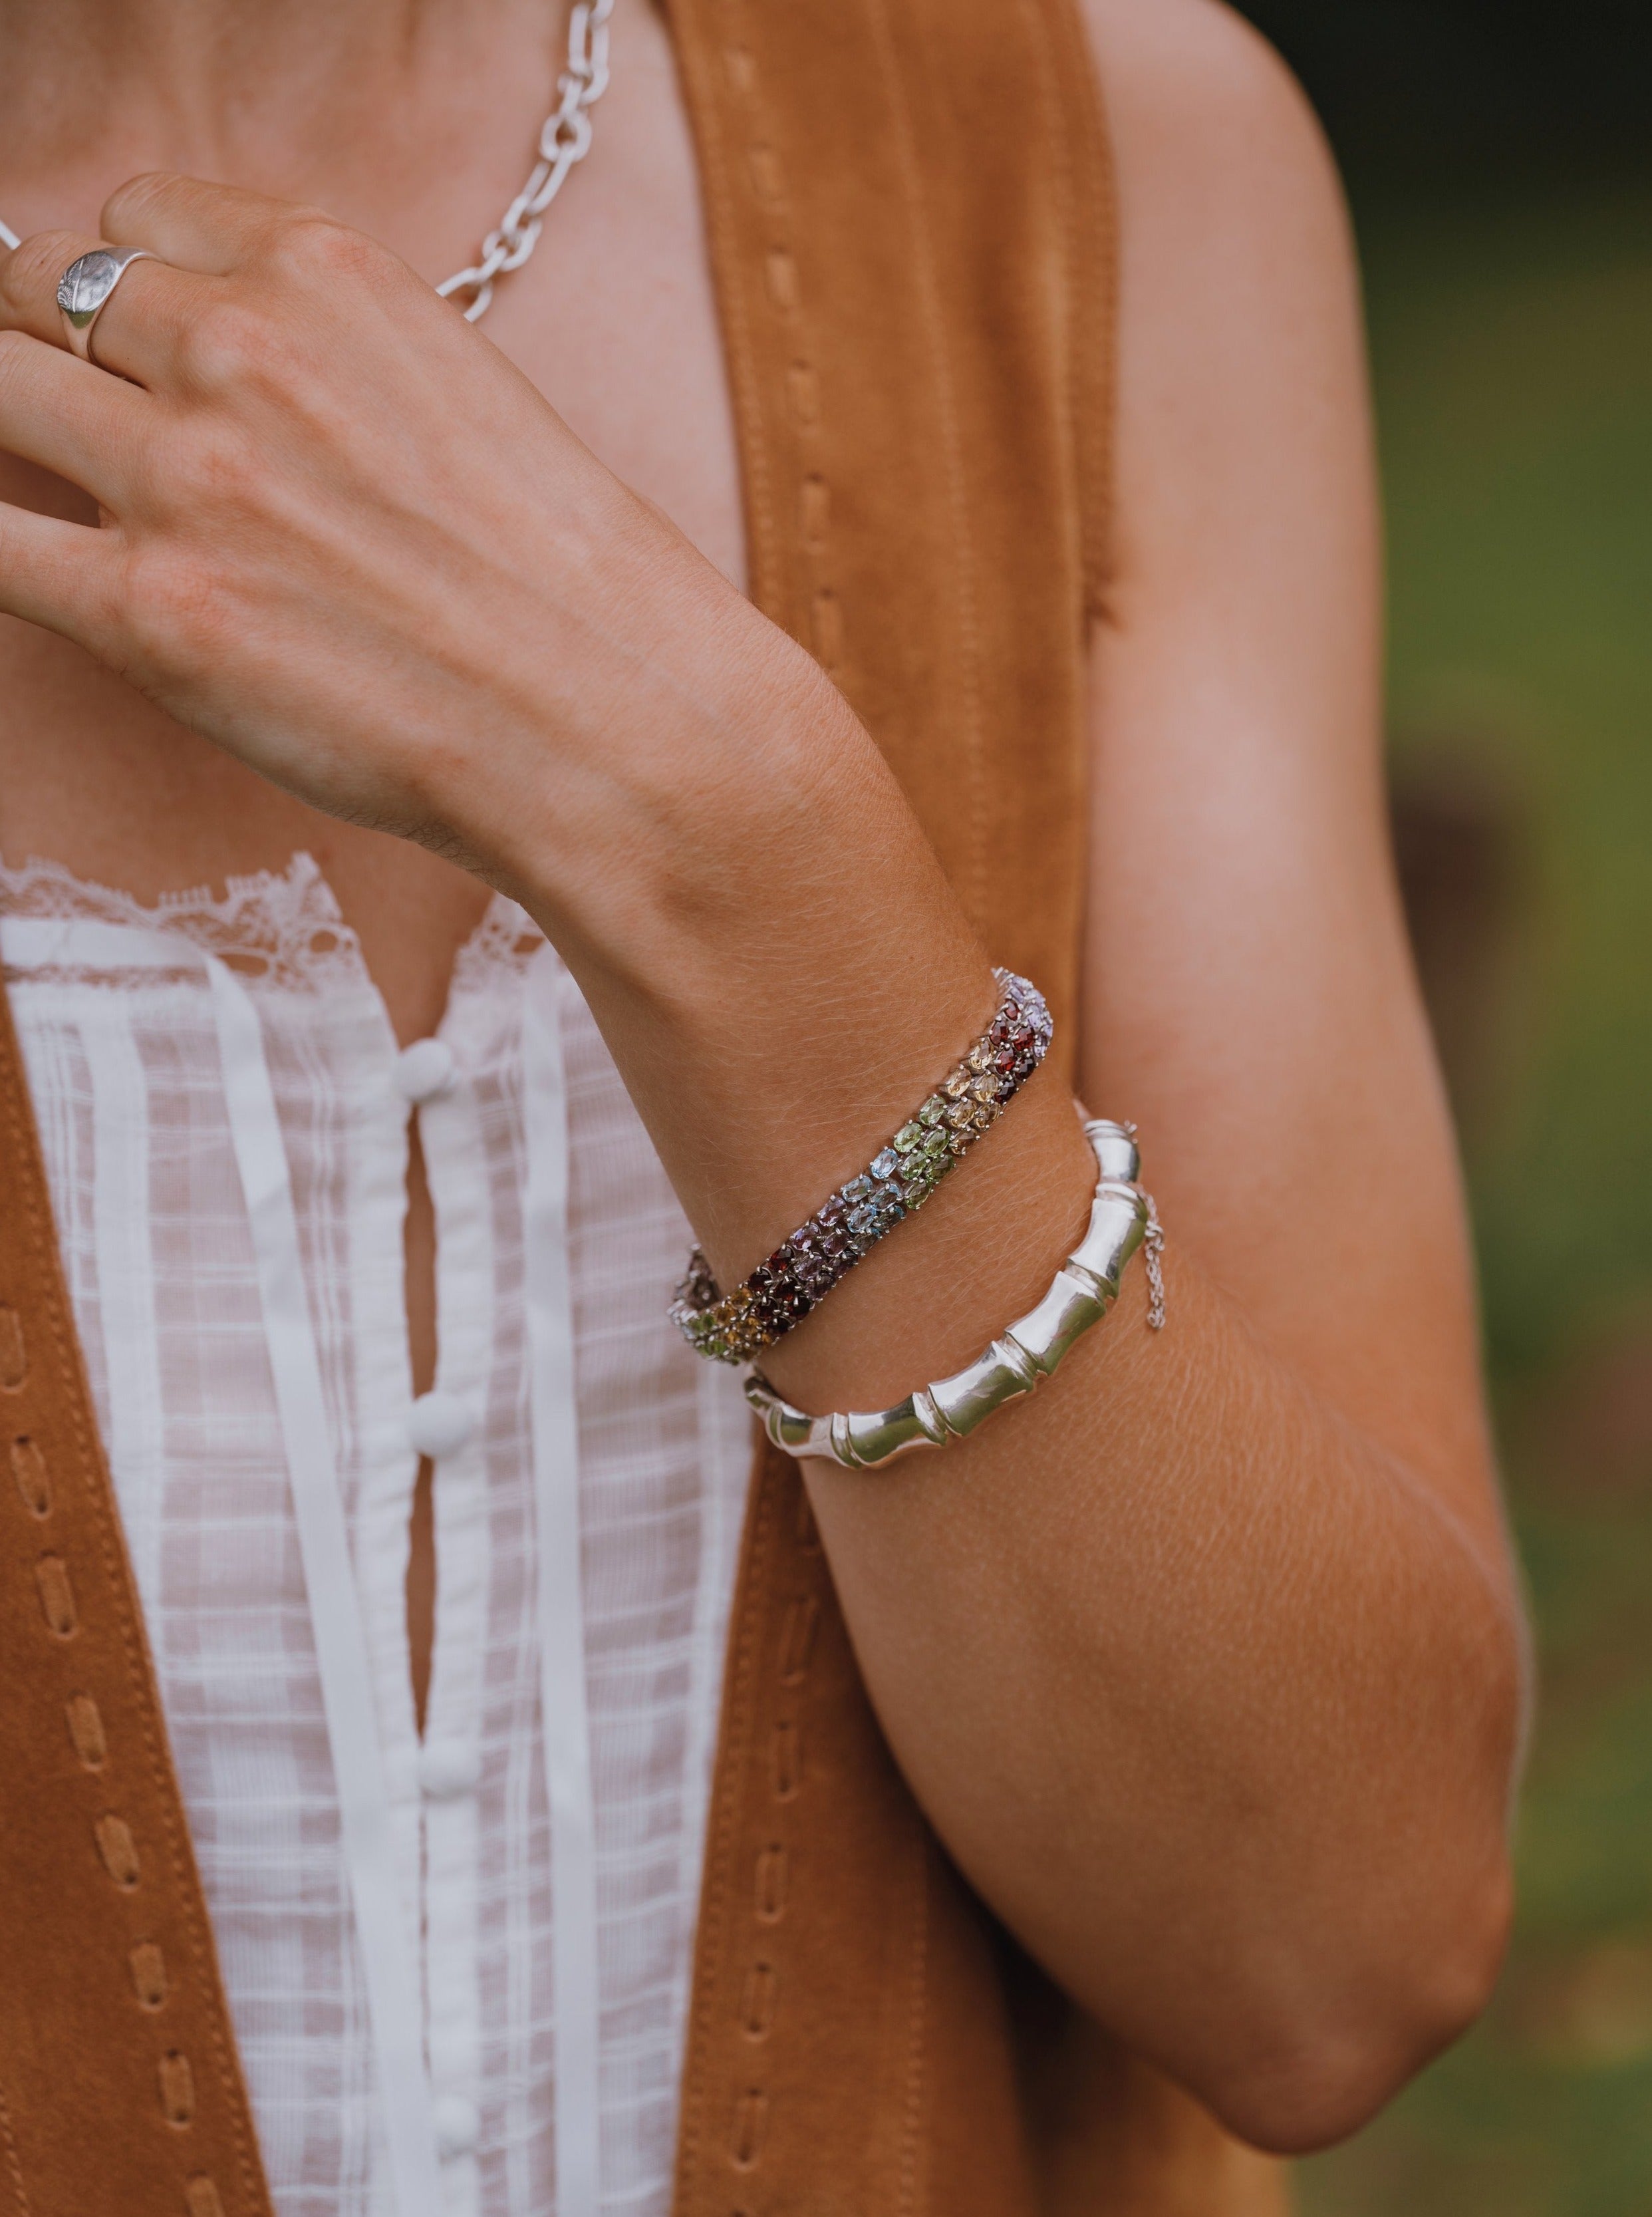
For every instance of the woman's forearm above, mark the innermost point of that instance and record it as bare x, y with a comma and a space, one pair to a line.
1208, 1694
1204, 1689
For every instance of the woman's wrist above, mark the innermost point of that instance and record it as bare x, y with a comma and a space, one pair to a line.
648, 779
748, 902
703, 828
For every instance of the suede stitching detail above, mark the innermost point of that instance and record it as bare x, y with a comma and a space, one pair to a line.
797, 1639
56, 1593
783, 289
1035, 35
916, 2056
32, 1479
760, 1992
782, 294
755, 2015
769, 1893
814, 513
763, 538
119, 1851
792, 1653
757, 2002
1085, 172
13, 2167
85, 1722
177, 2086
714, 1914
13, 1356
780, 289
116, 1845
750, 2123
148, 1967
785, 1759
961, 536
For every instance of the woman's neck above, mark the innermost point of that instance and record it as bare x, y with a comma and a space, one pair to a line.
357, 104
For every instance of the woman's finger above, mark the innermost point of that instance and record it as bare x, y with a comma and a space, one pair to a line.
138, 332
29, 279
71, 419
211, 229
54, 573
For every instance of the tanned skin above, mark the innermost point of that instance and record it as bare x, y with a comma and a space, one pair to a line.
1207, 1664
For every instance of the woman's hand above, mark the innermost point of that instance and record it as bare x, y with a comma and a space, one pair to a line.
344, 538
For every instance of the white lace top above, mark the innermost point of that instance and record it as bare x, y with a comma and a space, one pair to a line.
220, 1094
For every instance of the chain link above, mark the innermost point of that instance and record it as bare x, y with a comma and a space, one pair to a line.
564, 141
1153, 1241
1155, 1244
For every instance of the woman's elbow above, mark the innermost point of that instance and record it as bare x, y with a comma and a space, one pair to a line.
1313, 2072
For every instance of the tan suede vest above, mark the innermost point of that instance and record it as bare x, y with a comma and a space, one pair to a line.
910, 214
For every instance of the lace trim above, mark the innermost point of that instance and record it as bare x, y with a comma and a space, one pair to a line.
507, 939
281, 929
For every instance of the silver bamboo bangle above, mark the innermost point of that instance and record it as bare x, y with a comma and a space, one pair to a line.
1122, 1219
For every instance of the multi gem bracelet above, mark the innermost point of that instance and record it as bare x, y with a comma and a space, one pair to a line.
1122, 1219
900, 1178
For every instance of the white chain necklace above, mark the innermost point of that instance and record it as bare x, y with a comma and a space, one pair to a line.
565, 140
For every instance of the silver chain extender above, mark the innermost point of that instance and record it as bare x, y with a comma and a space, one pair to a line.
1153, 1253
1153, 1244
565, 140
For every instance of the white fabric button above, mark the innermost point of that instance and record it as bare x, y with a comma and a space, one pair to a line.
448, 1768
424, 1070
457, 2123
439, 1424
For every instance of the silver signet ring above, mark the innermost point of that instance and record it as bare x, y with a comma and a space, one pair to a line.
85, 286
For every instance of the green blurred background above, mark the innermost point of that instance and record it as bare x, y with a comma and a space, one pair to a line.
1498, 159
